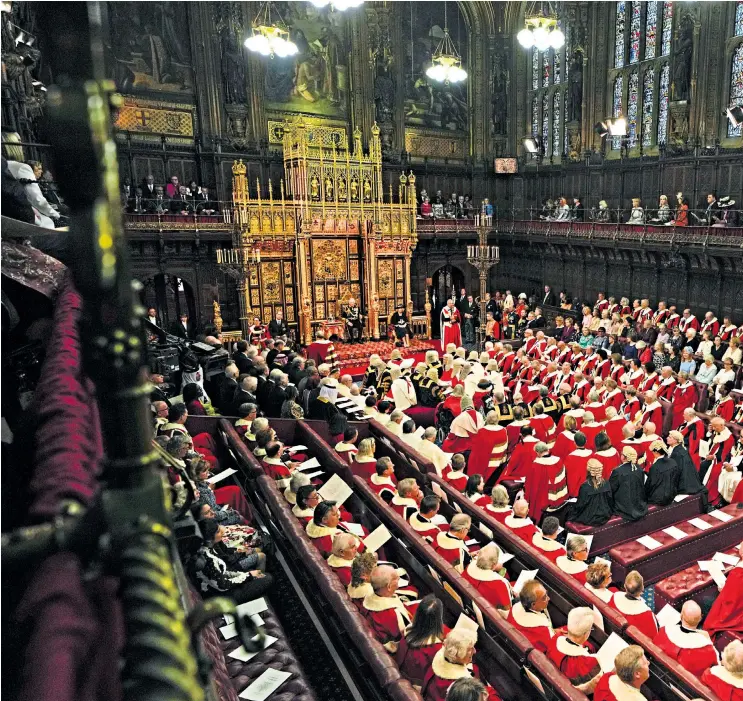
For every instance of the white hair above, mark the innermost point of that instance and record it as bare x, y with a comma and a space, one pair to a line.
458, 644
580, 621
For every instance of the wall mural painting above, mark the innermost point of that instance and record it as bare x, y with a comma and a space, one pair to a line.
315, 80
148, 47
427, 102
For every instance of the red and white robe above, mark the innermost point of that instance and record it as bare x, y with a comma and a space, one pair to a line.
322, 537
536, 626
610, 459
443, 674
713, 326
462, 430
726, 685
551, 549
652, 412
612, 688
719, 453
666, 388
524, 528
684, 397
426, 528
322, 351
575, 661
692, 649
637, 613
495, 589
576, 467
453, 550
384, 486
388, 618
573, 568
690, 322
693, 432
342, 568
564, 444
544, 428
614, 398
488, 450
451, 328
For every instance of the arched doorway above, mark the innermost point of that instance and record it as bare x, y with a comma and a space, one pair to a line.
171, 296
446, 283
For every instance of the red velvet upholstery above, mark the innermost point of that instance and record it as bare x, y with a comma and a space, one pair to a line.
675, 554
616, 530
688, 583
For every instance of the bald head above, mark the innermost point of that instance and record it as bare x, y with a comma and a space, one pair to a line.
691, 614
382, 580
521, 508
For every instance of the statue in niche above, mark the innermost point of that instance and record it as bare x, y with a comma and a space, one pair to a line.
682, 60
386, 139
501, 81
314, 187
354, 190
342, 189
232, 60
575, 95
328, 188
367, 190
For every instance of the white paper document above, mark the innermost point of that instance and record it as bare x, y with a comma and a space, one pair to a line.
221, 475
505, 557
356, 528
524, 577
296, 448
418, 433
473, 541
309, 464
718, 577
709, 565
720, 515
484, 529
668, 616
377, 538
312, 475
703, 449
478, 615
230, 630
731, 560
675, 533
434, 573
649, 542
335, 489
609, 651
265, 685
700, 524
466, 623
680, 497
244, 656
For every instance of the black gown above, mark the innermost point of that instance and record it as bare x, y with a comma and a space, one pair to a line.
689, 481
595, 506
322, 410
628, 489
662, 483
400, 322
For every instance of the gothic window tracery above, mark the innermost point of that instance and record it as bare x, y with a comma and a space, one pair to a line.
736, 88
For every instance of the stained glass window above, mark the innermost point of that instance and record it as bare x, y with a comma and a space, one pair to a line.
534, 117
665, 81
647, 108
557, 67
665, 48
556, 112
736, 88
619, 34
546, 69
651, 27
738, 19
616, 109
632, 107
546, 123
634, 33
535, 69
567, 54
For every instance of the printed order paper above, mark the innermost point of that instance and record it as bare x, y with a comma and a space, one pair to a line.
700, 524
484, 529
720, 516
524, 577
356, 528
731, 560
668, 616
377, 538
609, 651
680, 497
466, 623
297, 448
309, 464
335, 489
244, 656
221, 475
675, 533
265, 685
649, 542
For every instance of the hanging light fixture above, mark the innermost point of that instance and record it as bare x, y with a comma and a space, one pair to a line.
541, 29
270, 36
340, 5
446, 63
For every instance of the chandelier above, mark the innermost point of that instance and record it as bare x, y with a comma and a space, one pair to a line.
541, 29
446, 63
340, 5
270, 37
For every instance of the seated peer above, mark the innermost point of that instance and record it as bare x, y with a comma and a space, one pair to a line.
633, 607
571, 653
683, 642
324, 525
573, 562
486, 574
421, 520
529, 615
347, 448
229, 503
474, 490
631, 671
275, 467
384, 609
519, 522
576, 464
726, 612
364, 464
345, 549
499, 508
361, 569
240, 546
595, 503
423, 638
628, 487
598, 579
247, 413
546, 541
726, 679
394, 425
407, 498
307, 498
299, 479
450, 544
455, 473
383, 481
428, 449
451, 663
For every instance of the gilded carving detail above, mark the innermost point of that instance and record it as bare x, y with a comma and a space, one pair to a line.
154, 117
329, 258
271, 283
385, 276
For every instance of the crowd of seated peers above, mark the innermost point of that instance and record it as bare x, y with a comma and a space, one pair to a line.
537, 436
172, 198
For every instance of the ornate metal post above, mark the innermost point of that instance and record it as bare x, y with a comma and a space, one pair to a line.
483, 257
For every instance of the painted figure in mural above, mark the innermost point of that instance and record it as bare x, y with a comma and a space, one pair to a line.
575, 105
682, 60
233, 64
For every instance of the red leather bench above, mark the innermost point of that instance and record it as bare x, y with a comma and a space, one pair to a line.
689, 583
656, 564
616, 530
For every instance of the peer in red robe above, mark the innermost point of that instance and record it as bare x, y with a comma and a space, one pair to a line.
522, 459
443, 674
693, 432
637, 613
546, 485
564, 444
727, 686
576, 467
451, 322
388, 618
462, 430
727, 610
523, 527
613, 429
452, 549
684, 396
573, 568
610, 459
535, 625
612, 688
414, 662
692, 649
551, 549
384, 485
513, 431
342, 568
321, 351
491, 585
719, 454
488, 450
575, 661
544, 428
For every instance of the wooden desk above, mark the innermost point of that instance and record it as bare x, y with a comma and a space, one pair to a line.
337, 327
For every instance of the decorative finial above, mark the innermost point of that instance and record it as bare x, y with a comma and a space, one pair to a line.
411, 178
375, 129
238, 168
403, 178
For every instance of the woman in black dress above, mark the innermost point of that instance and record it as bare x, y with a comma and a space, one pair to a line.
430, 392
400, 322
595, 503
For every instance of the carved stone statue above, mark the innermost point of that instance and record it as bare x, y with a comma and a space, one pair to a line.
682, 60
384, 97
575, 96
232, 64
501, 82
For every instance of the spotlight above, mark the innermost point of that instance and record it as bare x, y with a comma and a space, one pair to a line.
601, 129
617, 127
735, 115
533, 144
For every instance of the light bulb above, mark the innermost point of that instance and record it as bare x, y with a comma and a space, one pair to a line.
436, 72
457, 74
320, 3
526, 38
541, 39
557, 39
258, 43
280, 48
